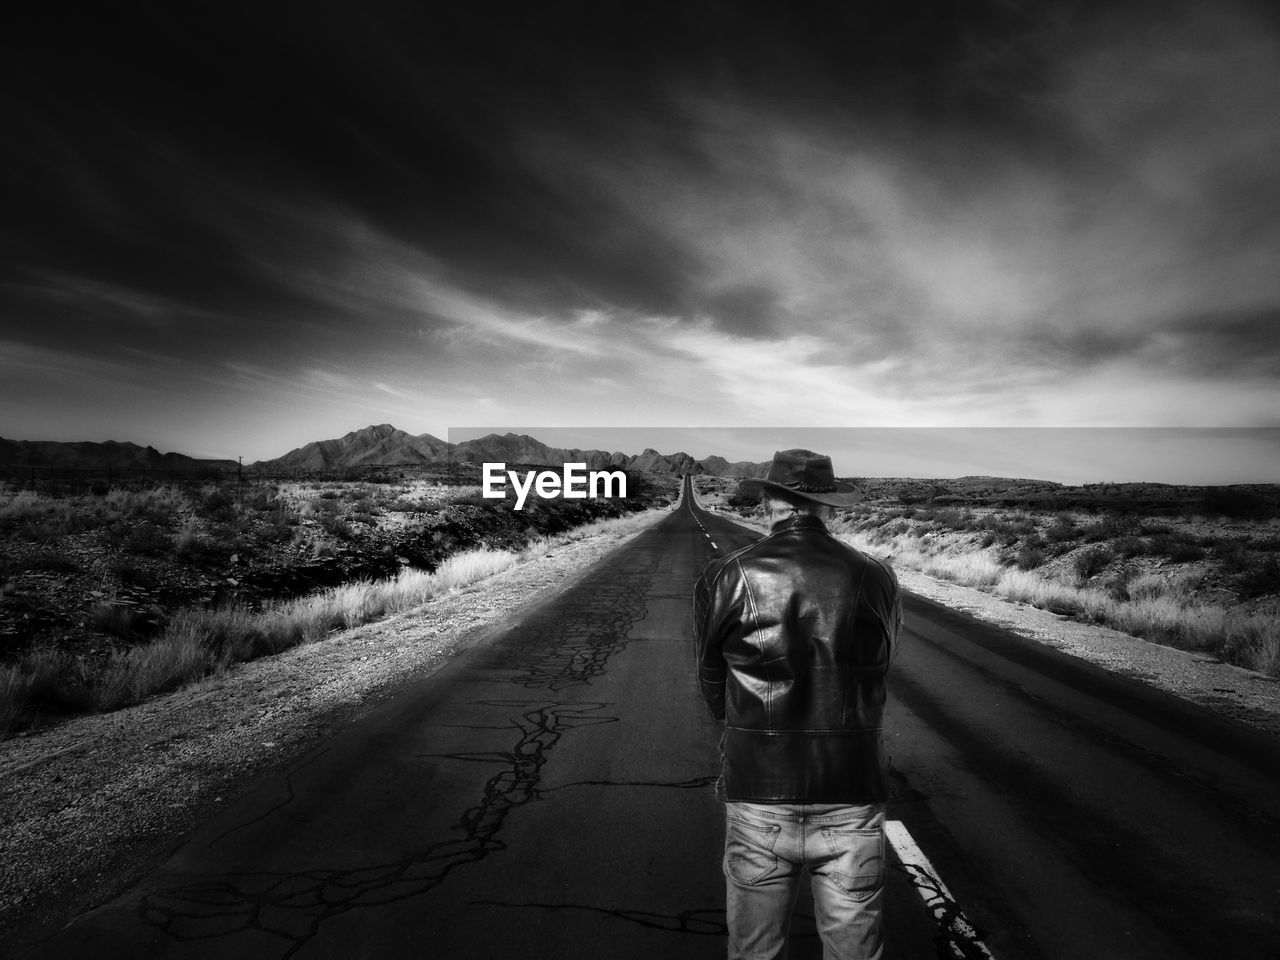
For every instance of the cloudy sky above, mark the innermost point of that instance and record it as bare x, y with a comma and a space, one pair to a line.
231, 228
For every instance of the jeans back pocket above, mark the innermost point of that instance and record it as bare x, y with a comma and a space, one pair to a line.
749, 855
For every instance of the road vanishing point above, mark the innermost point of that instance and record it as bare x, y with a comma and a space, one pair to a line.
549, 793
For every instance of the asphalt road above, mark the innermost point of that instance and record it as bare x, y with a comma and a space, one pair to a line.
549, 793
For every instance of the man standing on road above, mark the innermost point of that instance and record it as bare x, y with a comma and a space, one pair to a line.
794, 636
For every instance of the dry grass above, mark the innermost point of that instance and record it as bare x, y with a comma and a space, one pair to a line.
168, 663
1155, 608
24, 507
160, 502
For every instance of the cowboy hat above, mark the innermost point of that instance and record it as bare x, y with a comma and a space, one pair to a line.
802, 475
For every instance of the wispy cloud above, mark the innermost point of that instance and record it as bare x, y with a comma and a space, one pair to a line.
994, 282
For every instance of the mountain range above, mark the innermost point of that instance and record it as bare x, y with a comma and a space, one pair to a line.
107, 456
381, 445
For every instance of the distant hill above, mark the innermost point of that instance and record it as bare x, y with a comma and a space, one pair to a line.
518, 448
381, 445
384, 445
742, 469
109, 455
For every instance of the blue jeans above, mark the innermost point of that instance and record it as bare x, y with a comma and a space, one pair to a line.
767, 847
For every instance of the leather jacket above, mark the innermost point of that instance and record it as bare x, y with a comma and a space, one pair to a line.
794, 636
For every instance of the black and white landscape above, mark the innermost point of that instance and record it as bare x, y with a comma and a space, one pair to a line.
275, 683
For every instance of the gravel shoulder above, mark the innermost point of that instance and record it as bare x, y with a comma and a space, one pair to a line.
88, 806
1244, 695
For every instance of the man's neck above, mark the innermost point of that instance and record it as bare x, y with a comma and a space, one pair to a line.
783, 521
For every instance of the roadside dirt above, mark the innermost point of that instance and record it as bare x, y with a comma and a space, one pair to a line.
1245, 695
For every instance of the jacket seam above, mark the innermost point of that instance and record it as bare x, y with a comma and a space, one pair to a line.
755, 631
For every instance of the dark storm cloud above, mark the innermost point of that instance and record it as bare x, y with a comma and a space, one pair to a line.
413, 117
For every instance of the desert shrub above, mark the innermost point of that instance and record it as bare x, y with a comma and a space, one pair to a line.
1234, 558
1089, 562
1254, 642
1117, 586
114, 618
187, 542
260, 500
1239, 504
1261, 579
949, 517
1062, 529
275, 532
1030, 555
216, 504
228, 632
1110, 528
336, 526
1007, 531
330, 495
157, 504
1185, 582
1129, 546
135, 674
1147, 586
35, 518
44, 680
1029, 588
1179, 547
970, 569
364, 505
282, 515
13, 698
322, 547
25, 507
321, 508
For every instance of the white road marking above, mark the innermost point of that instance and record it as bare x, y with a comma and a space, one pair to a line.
961, 937
713, 545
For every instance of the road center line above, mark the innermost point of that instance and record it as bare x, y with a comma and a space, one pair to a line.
962, 938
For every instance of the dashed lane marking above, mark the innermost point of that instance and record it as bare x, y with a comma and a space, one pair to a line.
962, 938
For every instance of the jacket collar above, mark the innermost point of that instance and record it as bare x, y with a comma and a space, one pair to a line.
800, 521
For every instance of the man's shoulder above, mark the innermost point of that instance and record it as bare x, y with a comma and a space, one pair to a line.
719, 565
876, 567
